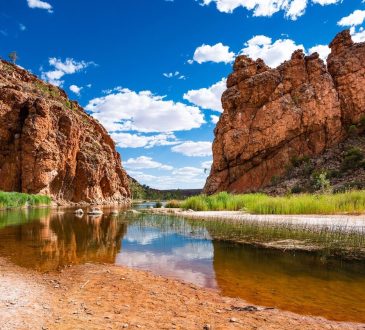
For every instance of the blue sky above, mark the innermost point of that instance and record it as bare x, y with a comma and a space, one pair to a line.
152, 71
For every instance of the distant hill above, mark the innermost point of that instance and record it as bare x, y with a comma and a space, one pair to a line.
140, 191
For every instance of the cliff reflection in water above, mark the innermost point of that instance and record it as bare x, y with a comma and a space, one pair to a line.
43, 240
298, 282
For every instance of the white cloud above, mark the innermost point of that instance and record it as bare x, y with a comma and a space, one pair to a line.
126, 110
214, 119
61, 68
75, 89
128, 140
194, 149
356, 18
357, 36
217, 53
322, 50
207, 164
144, 162
177, 178
40, 4
273, 54
188, 172
22, 27
208, 98
292, 8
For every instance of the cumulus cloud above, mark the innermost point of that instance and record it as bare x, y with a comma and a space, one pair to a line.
194, 149
357, 35
144, 162
291, 8
126, 110
129, 140
322, 50
217, 53
61, 68
40, 4
356, 18
214, 119
75, 89
208, 98
273, 53
176, 179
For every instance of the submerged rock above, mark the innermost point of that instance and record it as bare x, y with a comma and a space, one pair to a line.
95, 211
274, 115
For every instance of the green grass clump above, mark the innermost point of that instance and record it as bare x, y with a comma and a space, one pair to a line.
346, 202
14, 199
173, 204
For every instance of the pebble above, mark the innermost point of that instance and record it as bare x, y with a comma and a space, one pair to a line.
233, 320
207, 327
125, 325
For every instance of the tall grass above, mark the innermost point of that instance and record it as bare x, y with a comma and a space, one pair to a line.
347, 202
14, 199
328, 241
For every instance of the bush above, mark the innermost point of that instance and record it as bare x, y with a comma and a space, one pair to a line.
320, 181
173, 204
352, 130
158, 205
353, 159
297, 189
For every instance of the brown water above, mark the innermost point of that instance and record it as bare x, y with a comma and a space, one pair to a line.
298, 282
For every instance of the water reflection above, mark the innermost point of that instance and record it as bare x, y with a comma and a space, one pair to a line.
45, 241
299, 282
168, 253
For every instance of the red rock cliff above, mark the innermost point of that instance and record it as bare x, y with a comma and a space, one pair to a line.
49, 145
272, 116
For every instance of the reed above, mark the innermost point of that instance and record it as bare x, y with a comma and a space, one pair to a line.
14, 200
347, 202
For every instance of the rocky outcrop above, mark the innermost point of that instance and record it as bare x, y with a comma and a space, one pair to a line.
50, 145
271, 116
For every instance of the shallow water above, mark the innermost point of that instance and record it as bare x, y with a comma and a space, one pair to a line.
47, 240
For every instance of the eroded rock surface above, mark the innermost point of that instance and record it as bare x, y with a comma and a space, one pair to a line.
49, 145
271, 116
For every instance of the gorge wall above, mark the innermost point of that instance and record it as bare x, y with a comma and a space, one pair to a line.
271, 116
50, 145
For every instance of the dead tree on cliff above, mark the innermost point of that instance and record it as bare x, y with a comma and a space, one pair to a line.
13, 57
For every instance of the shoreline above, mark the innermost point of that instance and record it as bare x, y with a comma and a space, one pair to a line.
338, 221
112, 297
344, 224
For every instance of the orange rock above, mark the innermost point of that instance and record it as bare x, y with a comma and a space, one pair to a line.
298, 109
50, 145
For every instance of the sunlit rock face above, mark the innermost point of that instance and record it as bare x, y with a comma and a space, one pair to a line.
271, 116
50, 145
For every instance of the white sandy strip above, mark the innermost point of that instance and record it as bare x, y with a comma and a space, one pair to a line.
343, 222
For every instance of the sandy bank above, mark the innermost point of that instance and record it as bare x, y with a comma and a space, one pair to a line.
342, 222
110, 297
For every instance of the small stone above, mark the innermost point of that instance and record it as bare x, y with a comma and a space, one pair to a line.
233, 320
207, 327
125, 325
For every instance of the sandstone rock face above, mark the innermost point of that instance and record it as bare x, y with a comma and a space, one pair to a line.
49, 145
272, 116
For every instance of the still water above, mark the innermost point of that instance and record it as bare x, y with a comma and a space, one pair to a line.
46, 240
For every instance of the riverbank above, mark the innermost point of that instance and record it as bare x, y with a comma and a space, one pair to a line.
111, 297
340, 236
